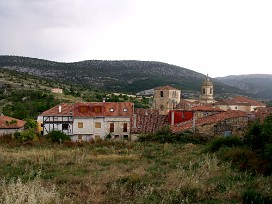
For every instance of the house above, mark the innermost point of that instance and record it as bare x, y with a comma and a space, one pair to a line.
56, 90
179, 116
85, 121
205, 110
225, 123
240, 103
9, 125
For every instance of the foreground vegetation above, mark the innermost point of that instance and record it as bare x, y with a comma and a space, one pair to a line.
123, 172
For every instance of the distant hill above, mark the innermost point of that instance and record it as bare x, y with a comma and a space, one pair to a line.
119, 76
257, 84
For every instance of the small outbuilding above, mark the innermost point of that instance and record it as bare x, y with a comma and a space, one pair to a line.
9, 125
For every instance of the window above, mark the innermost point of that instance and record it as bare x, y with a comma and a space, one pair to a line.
124, 127
161, 93
203, 91
111, 109
97, 124
211, 91
97, 109
64, 126
83, 109
111, 127
80, 125
125, 110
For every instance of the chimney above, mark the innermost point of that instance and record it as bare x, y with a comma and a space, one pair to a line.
172, 118
59, 108
104, 100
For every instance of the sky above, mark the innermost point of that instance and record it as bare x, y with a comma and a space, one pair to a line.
215, 37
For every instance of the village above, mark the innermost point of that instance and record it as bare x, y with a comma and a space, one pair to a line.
86, 121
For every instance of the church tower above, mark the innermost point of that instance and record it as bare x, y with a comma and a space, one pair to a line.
206, 91
165, 98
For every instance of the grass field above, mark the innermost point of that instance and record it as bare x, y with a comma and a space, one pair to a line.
120, 172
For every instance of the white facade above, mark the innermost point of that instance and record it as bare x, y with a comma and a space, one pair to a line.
88, 128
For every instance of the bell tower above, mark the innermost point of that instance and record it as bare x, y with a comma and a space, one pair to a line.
206, 96
165, 98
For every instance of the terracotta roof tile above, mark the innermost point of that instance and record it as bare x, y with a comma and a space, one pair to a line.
66, 110
6, 123
91, 109
206, 108
240, 101
209, 120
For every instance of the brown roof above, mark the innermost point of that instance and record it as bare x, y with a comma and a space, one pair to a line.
147, 121
7, 122
107, 109
240, 100
91, 109
210, 119
67, 109
206, 108
166, 88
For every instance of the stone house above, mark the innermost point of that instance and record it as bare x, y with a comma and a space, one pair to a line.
224, 124
9, 125
56, 90
87, 121
240, 103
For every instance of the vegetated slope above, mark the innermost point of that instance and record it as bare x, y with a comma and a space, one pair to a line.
258, 84
121, 76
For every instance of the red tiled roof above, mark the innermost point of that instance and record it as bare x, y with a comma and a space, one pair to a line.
240, 100
166, 88
147, 121
107, 109
210, 119
67, 109
206, 108
91, 109
6, 123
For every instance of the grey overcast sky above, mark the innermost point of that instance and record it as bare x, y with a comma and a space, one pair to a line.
218, 37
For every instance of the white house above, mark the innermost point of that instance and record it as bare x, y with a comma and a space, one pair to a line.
86, 121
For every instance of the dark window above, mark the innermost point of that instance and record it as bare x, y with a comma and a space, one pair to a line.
125, 127
111, 127
41, 132
203, 91
83, 109
161, 93
126, 137
97, 109
211, 91
64, 126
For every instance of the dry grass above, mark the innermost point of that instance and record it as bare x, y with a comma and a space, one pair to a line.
109, 173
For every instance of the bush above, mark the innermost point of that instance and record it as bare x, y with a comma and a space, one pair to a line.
252, 196
26, 135
217, 143
57, 136
246, 159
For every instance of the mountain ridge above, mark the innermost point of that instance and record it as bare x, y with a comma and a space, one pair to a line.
130, 76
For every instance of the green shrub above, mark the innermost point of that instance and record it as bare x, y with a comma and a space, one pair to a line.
246, 159
57, 136
251, 196
26, 135
217, 143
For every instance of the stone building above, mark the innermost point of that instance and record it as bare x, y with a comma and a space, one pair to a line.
166, 98
222, 124
206, 96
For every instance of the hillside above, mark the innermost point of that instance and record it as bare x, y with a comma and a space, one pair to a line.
258, 84
118, 76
